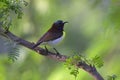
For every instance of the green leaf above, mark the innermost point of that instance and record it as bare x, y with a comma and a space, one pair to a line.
8, 8
13, 53
97, 61
113, 77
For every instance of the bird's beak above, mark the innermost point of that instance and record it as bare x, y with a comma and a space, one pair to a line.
65, 22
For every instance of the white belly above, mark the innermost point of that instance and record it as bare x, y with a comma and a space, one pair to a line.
57, 41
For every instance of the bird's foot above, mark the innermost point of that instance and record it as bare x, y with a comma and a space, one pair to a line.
32, 45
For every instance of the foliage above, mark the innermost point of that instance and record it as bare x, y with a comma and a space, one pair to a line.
13, 52
74, 72
7, 10
97, 61
72, 61
112, 77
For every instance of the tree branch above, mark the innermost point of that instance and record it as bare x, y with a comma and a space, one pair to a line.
88, 68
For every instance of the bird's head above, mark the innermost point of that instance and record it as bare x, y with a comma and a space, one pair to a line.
59, 25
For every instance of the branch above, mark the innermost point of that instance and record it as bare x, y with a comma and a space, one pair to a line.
88, 68
91, 70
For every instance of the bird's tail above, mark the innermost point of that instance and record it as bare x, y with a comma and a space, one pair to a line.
36, 45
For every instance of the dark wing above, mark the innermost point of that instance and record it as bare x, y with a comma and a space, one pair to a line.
49, 36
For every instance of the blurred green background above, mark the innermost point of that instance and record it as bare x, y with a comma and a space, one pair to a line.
93, 29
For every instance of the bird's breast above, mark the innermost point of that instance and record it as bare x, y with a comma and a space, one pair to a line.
57, 41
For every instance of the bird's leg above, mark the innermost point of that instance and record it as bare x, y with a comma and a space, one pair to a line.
46, 49
56, 51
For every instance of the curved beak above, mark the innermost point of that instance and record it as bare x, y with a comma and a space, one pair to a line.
65, 22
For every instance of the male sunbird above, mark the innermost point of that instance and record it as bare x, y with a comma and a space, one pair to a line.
54, 35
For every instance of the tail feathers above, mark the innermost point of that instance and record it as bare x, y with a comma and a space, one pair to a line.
36, 45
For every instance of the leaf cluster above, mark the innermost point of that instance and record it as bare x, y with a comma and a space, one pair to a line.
9, 8
72, 61
97, 61
112, 77
13, 53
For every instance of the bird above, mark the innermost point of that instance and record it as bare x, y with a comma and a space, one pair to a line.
54, 35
